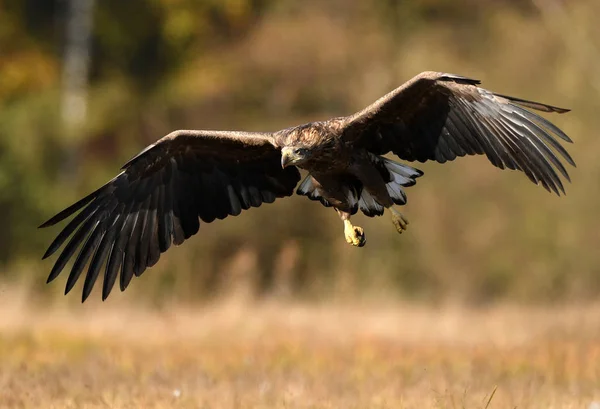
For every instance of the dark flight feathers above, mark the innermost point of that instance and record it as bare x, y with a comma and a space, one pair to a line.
438, 117
188, 177
159, 197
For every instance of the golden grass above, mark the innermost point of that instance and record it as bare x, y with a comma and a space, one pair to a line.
275, 355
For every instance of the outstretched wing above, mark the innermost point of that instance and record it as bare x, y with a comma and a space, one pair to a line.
160, 195
437, 116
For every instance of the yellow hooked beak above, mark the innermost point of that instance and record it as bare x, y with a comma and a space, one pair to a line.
289, 157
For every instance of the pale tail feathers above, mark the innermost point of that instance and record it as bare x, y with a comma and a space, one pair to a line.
368, 205
398, 174
403, 175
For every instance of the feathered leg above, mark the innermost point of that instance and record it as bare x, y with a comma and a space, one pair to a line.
354, 235
400, 222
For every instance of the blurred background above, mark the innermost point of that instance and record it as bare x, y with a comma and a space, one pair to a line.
85, 85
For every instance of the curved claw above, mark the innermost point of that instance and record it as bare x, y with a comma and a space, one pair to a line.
355, 235
400, 222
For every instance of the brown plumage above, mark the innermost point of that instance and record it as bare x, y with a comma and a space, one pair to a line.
165, 192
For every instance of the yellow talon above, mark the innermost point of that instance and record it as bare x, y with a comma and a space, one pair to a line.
400, 222
354, 235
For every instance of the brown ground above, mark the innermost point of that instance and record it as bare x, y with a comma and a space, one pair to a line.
296, 356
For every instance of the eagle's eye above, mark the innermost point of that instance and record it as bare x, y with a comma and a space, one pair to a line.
302, 152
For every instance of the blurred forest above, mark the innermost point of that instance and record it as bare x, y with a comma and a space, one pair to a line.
477, 234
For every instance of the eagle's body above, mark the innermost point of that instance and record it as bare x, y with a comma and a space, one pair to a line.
189, 176
337, 170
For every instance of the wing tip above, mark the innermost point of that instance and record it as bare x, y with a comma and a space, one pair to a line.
548, 108
47, 223
56, 219
62, 215
560, 110
534, 105
48, 253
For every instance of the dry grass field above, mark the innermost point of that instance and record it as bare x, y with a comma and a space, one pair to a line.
274, 355
478, 235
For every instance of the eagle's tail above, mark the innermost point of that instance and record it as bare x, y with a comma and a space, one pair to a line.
398, 176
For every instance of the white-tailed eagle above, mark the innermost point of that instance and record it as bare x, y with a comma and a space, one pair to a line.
191, 177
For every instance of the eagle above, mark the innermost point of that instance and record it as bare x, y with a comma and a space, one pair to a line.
189, 177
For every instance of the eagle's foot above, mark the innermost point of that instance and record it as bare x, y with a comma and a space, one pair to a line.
400, 222
354, 235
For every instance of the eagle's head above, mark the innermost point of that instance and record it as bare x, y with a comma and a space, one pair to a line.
308, 143
294, 156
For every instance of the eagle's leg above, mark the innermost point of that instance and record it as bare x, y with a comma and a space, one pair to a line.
355, 235
400, 222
